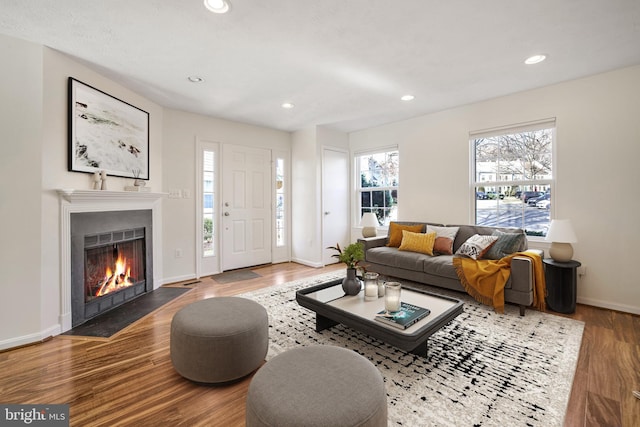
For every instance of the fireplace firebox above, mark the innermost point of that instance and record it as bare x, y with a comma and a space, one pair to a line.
110, 261
113, 269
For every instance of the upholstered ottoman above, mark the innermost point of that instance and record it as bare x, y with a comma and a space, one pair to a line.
219, 339
317, 386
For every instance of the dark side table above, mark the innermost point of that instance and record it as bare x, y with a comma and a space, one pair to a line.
561, 278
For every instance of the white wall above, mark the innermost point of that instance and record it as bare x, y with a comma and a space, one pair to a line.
180, 131
20, 183
306, 204
597, 150
306, 159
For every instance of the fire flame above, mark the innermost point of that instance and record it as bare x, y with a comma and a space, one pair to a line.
118, 280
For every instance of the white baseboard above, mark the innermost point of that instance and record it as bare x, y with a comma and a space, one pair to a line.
609, 305
168, 280
308, 263
31, 338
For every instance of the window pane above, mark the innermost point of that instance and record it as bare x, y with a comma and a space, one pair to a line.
208, 203
378, 185
280, 204
513, 176
207, 234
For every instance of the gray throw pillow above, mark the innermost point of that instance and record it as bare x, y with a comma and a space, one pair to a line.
506, 244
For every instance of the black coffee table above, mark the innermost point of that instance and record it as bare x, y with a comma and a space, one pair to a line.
332, 306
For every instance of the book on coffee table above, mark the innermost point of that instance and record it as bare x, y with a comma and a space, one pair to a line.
405, 317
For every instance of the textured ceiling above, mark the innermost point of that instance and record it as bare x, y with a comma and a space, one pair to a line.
343, 64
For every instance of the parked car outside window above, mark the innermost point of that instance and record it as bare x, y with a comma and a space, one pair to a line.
544, 204
530, 194
533, 200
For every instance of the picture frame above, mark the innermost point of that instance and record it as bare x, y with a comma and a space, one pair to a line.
106, 134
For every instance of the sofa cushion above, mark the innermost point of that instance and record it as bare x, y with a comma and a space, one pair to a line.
392, 257
417, 242
506, 244
395, 232
476, 246
444, 239
441, 266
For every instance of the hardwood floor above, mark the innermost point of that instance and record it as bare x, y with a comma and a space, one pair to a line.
128, 379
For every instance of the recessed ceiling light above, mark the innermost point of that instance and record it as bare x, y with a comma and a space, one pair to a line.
408, 98
535, 59
195, 79
288, 105
217, 6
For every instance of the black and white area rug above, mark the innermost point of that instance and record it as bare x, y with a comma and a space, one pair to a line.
482, 369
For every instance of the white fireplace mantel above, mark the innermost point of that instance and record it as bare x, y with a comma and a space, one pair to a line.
101, 196
77, 201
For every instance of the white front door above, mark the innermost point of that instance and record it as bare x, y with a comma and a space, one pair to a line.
335, 201
246, 207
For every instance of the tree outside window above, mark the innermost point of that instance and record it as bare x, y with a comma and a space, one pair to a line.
513, 178
378, 185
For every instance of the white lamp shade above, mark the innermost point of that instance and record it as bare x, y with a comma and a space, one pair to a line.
561, 231
369, 220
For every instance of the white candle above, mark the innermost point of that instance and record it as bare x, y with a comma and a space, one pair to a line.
392, 297
392, 303
370, 290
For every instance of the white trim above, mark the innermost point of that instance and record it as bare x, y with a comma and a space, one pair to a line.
203, 144
281, 254
313, 264
376, 150
594, 302
176, 279
31, 338
516, 127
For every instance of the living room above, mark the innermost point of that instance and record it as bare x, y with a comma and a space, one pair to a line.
597, 147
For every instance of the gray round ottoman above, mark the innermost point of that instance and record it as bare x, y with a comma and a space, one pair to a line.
317, 386
220, 339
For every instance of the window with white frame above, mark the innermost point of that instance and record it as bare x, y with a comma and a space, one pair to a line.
377, 184
280, 203
512, 176
208, 203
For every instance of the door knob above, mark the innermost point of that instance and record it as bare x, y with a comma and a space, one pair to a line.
327, 213
227, 214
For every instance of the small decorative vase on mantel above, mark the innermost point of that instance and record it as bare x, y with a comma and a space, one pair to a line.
351, 285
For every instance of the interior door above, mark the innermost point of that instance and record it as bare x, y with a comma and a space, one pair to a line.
246, 207
335, 201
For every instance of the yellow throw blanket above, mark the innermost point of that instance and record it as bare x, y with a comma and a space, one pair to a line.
485, 279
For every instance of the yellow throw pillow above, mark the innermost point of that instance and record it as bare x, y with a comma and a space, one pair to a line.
395, 233
417, 242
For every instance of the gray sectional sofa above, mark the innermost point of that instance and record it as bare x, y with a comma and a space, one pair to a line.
439, 270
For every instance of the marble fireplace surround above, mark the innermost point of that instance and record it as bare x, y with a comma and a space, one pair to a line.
77, 201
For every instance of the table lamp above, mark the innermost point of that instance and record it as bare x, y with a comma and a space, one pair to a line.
369, 222
561, 235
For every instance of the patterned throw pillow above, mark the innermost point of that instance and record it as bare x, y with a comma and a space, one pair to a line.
444, 238
417, 242
476, 246
506, 244
395, 233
